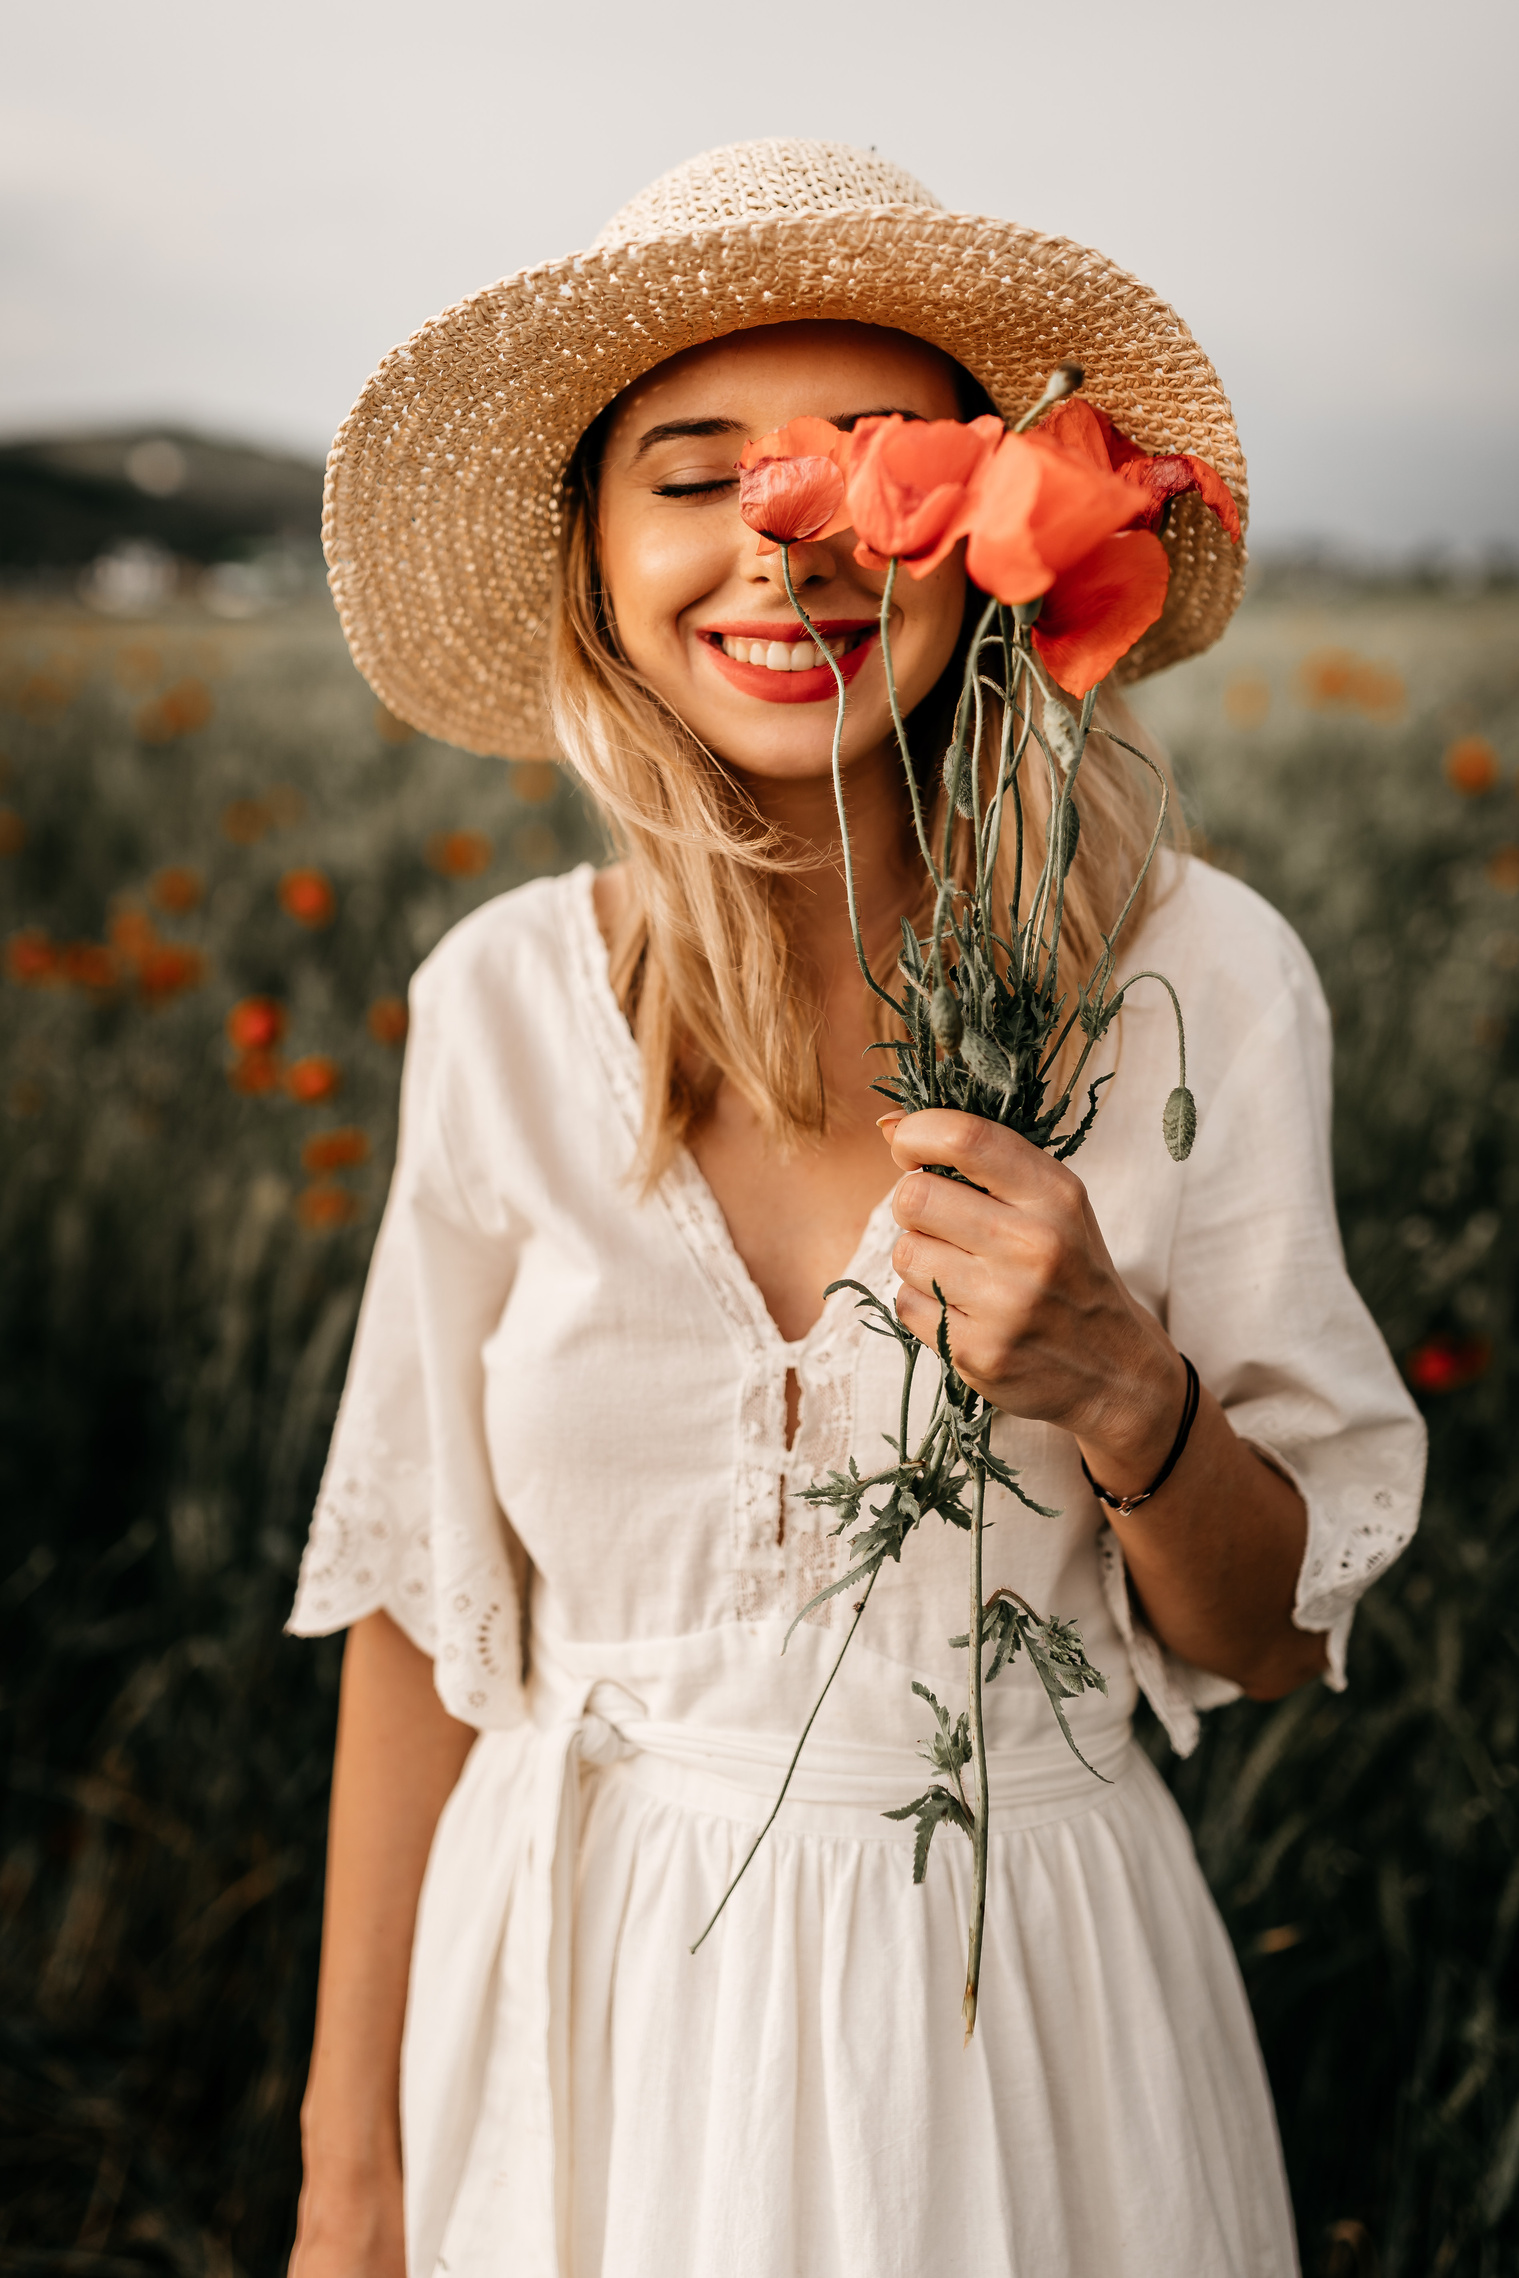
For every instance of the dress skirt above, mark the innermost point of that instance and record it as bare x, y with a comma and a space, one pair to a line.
583, 2095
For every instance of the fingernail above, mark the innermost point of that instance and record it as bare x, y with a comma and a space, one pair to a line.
888, 1123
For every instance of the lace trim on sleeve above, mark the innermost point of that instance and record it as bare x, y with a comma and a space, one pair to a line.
369, 1550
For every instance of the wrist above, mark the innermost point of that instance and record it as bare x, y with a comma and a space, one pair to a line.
1126, 1446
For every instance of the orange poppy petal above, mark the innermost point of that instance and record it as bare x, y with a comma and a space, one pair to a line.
1096, 610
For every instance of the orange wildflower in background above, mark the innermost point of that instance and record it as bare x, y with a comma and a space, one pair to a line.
325, 1204
12, 831
314, 1078
387, 1020
245, 821
1337, 679
791, 483
255, 1072
177, 889
1448, 1364
911, 487
307, 896
334, 1150
88, 965
31, 958
534, 780
178, 711
460, 854
255, 1024
1471, 766
1503, 869
168, 968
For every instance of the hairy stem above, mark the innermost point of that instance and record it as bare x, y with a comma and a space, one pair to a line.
978, 1743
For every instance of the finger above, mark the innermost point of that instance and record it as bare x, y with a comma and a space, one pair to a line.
1001, 1162
921, 1262
920, 1314
951, 1211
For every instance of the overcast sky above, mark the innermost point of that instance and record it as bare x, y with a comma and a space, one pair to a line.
222, 216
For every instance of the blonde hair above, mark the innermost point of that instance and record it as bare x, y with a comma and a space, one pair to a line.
703, 960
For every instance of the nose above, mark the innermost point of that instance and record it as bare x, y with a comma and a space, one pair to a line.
812, 563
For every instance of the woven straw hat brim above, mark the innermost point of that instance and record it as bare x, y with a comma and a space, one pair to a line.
443, 498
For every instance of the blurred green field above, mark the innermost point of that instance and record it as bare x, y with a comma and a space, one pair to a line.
219, 863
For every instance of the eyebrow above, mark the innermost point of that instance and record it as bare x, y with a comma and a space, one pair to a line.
685, 430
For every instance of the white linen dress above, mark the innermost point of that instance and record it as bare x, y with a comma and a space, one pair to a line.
561, 1467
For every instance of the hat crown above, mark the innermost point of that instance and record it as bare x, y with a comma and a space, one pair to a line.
753, 181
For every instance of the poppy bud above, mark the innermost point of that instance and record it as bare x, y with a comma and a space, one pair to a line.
1072, 833
957, 783
1061, 735
986, 1060
1179, 1123
944, 1017
1063, 381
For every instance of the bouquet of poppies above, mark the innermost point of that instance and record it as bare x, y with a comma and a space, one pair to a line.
1060, 514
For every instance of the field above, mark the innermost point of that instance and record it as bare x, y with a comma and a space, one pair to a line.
219, 862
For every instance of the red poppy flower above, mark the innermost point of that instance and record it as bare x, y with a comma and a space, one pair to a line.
911, 486
31, 959
1096, 610
1082, 427
89, 965
313, 1078
387, 1020
1448, 1364
307, 896
255, 1072
334, 1151
165, 969
323, 1205
177, 889
1037, 509
256, 1024
791, 483
460, 854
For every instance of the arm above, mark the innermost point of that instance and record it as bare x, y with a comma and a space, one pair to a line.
399, 1754
1041, 1324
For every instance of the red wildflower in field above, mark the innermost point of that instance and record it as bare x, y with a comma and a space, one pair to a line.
387, 1019
1448, 1364
307, 896
32, 959
177, 889
255, 1072
791, 483
460, 854
911, 487
12, 831
1471, 766
324, 1205
313, 1078
168, 968
255, 1024
88, 965
245, 821
177, 712
334, 1150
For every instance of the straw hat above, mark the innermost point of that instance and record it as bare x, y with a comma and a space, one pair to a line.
443, 496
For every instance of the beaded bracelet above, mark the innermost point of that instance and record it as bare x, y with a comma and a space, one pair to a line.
1124, 1504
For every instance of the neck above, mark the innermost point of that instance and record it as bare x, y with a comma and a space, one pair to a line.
884, 863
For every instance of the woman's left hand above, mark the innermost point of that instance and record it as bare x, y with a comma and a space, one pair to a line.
1040, 1322
1042, 1325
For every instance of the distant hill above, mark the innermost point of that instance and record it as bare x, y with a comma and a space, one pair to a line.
65, 500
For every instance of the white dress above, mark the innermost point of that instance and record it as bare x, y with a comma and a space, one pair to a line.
583, 2098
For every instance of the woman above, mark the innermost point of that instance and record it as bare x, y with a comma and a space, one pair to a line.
563, 1520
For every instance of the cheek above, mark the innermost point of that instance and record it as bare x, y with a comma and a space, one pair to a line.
654, 572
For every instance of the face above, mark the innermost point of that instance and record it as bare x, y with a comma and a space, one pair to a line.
701, 614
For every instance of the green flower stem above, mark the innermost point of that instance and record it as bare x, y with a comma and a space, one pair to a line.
859, 1616
978, 1743
1060, 821
919, 825
838, 792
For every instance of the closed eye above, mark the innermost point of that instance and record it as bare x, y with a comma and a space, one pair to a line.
695, 489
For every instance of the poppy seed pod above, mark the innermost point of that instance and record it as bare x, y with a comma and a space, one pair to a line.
944, 1017
1179, 1123
986, 1060
1060, 733
1063, 381
1072, 833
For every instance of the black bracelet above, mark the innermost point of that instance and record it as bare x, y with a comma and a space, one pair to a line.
1124, 1504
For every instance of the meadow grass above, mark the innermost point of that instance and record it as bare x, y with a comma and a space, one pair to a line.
199, 824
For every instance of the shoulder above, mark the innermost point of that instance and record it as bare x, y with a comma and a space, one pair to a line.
1227, 952
517, 952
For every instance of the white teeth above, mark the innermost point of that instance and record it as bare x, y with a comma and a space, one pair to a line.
783, 656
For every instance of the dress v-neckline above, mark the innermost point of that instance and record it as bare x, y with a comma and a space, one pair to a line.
685, 1187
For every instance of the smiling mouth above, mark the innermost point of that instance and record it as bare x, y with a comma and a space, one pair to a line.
794, 653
